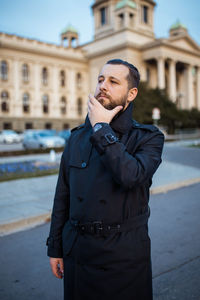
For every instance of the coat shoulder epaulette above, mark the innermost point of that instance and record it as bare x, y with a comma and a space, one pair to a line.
77, 127
151, 128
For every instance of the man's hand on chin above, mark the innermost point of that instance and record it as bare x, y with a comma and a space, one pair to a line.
97, 113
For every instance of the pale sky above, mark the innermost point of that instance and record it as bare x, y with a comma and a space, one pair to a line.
45, 19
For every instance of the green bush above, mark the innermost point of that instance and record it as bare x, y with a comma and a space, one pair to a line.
171, 117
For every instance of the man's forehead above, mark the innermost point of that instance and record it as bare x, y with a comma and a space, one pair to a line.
117, 71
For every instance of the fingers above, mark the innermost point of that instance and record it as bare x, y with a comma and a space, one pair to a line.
93, 100
57, 267
117, 108
61, 265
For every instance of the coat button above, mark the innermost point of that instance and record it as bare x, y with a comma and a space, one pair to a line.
80, 199
83, 165
102, 201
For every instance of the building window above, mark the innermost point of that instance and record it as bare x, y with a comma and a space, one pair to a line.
28, 125
26, 104
145, 14
121, 20
79, 80
80, 106
45, 104
44, 76
131, 20
7, 125
65, 126
48, 126
103, 15
25, 73
4, 70
4, 101
63, 105
62, 78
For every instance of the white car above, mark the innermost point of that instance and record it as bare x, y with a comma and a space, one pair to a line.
9, 137
42, 139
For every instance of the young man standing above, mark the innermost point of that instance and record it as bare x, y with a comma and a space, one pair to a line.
99, 234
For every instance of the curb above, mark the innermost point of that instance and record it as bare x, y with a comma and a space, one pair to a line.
24, 224
27, 223
173, 186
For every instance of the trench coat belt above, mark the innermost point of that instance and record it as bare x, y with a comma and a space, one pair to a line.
101, 228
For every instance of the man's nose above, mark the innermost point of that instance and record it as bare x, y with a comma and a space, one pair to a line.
103, 85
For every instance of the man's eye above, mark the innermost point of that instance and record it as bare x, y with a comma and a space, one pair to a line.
113, 81
100, 80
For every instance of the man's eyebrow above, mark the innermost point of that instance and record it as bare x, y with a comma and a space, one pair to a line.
112, 77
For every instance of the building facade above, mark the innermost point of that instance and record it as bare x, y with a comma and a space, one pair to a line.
46, 86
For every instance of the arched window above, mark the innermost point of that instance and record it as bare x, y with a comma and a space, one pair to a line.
44, 76
45, 103
80, 106
62, 78
121, 20
79, 80
4, 70
145, 14
25, 73
26, 102
103, 15
63, 105
4, 101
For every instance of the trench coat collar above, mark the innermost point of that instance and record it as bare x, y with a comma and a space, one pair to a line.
121, 123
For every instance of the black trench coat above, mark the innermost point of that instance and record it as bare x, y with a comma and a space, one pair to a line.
105, 176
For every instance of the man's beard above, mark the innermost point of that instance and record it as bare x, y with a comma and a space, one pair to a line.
112, 104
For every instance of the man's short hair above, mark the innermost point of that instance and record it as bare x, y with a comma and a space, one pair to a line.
133, 77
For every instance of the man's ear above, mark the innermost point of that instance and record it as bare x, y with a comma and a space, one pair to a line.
132, 93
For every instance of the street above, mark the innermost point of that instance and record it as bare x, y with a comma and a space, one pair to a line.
11, 147
174, 230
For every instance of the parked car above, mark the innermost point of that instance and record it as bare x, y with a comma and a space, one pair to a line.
21, 136
65, 134
9, 136
34, 139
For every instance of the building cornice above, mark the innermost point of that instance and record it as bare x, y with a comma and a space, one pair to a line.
115, 33
22, 44
165, 42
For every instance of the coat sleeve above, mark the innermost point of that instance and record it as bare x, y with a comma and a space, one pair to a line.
60, 212
134, 169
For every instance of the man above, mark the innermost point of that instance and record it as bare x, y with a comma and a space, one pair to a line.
99, 234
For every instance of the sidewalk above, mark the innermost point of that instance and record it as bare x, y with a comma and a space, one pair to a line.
25, 203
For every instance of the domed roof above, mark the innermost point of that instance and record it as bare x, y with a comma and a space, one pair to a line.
177, 25
69, 28
123, 3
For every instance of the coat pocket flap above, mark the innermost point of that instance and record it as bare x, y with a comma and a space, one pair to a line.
79, 157
69, 236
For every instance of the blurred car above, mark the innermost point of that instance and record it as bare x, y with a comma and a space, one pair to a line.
9, 137
34, 139
21, 136
65, 134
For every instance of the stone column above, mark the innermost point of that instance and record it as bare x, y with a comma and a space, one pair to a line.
161, 72
198, 87
190, 91
172, 80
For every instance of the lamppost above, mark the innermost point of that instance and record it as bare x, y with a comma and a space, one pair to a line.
155, 115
